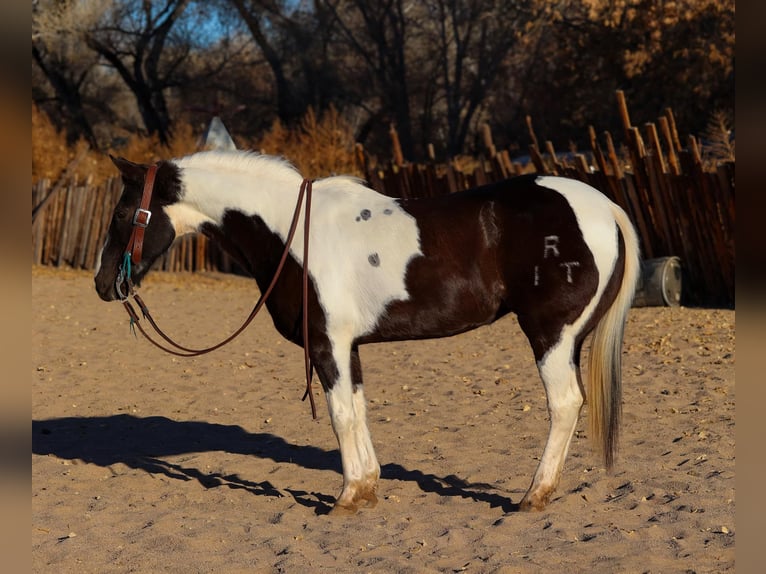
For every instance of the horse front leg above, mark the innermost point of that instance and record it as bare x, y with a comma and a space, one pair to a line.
559, 374
348, 413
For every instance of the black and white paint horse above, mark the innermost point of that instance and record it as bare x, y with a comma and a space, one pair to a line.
554, 251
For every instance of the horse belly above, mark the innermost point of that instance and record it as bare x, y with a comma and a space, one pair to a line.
441, 304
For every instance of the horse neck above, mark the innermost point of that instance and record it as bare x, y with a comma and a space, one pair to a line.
248, 213
270, 194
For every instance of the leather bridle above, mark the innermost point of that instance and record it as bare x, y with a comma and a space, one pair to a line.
134, 249
133, 255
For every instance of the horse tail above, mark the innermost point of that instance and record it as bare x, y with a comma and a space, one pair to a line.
605, 357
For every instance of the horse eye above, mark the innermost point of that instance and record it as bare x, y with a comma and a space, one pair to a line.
121, 213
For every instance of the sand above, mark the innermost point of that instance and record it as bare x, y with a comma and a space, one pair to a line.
144, 462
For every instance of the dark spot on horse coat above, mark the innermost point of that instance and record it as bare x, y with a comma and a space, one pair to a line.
374, 259
365, 214
387, 212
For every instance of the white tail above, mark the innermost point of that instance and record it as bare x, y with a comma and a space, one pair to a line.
605, 358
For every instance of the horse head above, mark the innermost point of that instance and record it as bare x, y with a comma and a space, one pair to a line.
158, 234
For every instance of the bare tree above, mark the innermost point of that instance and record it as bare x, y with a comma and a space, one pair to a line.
296, 40
376, 31
661, 54
134, 37
259, 17
66, 66
435, 69
437, 60
472, 39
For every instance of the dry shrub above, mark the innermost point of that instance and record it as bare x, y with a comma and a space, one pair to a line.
718, 143
148, 149
51, 155
318, 148
50, 151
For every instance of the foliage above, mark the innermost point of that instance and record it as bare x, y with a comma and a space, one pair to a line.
677, 54
718, 143
51, 154
318, 147
437, 70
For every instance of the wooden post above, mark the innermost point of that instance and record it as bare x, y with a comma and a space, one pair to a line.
613, 159
654, 143
558, 168
675, 168
656, 170
38, 229
506, 163
431, 152
359, 157
531, 131
396, 146
486, 135
537, 159
63, 237
673, 129
582, 165
694, 148
622, 109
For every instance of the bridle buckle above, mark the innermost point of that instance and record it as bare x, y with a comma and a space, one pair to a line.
142, 217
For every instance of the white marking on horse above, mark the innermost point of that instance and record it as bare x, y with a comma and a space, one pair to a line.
352, 291
488, 224
600, 234
568, 265
100, 253
555, 367
551, 243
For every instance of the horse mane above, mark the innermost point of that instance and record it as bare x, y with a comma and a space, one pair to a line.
246, 161
236, 160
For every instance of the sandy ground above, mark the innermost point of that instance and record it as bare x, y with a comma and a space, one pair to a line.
143, 462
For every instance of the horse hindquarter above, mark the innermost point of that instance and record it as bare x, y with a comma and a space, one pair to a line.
596, 291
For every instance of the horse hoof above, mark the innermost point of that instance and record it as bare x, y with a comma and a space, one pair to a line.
533, 503
343, 509
369, 500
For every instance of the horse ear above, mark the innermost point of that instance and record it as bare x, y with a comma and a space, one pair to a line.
130, 171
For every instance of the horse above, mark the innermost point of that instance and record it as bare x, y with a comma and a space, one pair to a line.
554, 251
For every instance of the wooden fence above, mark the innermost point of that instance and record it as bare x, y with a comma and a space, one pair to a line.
679, 208
70, 228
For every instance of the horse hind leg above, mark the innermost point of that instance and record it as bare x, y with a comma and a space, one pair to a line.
560, 374
348, 413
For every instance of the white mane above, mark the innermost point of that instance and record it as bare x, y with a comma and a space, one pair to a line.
237, 160
262, 165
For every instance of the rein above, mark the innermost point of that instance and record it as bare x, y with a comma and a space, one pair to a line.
133, 254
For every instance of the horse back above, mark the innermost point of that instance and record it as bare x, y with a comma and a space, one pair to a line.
511, 246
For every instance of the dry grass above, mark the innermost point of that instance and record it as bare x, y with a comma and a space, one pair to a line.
318, 147
718, 143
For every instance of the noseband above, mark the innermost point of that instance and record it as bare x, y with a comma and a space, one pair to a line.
133, 255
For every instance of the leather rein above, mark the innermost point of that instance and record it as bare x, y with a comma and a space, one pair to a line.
133, 255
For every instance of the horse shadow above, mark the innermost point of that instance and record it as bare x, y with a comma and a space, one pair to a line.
142, 442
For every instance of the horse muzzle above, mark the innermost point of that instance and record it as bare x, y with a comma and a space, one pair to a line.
114, 288
106, 290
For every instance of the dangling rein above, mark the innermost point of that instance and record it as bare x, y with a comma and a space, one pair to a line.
133, 254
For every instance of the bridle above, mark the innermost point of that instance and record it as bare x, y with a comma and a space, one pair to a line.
133, 255
134, 249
